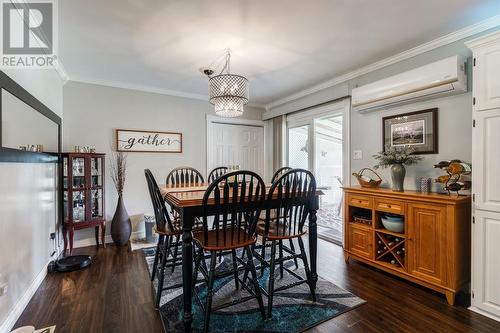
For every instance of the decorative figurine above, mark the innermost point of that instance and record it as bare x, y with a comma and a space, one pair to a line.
456, 170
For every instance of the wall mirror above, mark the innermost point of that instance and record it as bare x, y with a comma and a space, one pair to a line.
26, 123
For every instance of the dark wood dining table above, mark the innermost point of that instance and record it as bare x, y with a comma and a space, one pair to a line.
187, 202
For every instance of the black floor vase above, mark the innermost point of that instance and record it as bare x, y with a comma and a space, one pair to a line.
121, 227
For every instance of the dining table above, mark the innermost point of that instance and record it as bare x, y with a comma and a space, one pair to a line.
186, 200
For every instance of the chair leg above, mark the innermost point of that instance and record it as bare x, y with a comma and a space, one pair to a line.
176, 247
263, 255
198, 258
157, 256
161, 273
281, 258
210, 286
306, 268
292, 247
235, 267
271, 281
256, 286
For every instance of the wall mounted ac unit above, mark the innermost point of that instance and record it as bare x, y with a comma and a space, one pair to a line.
442, 77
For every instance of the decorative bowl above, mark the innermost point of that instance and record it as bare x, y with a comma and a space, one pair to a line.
394, 224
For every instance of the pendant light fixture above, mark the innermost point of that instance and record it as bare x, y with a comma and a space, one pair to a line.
228, 92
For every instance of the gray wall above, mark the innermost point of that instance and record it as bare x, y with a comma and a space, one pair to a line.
27, 207
93, 112
454, 121
455, 116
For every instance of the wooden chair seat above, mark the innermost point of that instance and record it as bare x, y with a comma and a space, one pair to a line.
177, 228
276, 234
212, 245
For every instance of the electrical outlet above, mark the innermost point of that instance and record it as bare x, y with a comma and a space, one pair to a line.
3, 289
357, 155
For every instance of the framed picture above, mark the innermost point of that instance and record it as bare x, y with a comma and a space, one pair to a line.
417, 129
148, 141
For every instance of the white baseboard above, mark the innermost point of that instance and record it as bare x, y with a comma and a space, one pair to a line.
484, 313
91, 241
19, 307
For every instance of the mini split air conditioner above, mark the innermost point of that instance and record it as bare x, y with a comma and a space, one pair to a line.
443, 77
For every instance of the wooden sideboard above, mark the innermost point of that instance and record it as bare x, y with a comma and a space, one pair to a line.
434, 248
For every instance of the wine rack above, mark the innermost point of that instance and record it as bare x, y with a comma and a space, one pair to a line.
390, 249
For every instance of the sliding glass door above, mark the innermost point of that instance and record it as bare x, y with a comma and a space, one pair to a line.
316, 143
328, 169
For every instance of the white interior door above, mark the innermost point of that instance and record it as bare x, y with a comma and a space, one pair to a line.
234, 144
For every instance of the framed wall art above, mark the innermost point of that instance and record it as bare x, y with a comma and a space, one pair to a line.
417, 129
148, 141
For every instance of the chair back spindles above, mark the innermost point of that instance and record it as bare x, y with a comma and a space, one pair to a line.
237, 198
184, 176
162, 217
280, 172
294, 191
216, 173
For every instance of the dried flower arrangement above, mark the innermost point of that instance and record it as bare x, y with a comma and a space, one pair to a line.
118, 168
396, 155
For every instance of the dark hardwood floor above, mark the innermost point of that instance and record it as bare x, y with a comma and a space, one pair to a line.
114, 295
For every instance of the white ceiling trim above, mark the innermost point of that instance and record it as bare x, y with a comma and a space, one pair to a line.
59, 68
471, 30
149, 89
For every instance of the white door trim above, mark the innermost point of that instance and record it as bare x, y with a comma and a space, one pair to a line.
211, 119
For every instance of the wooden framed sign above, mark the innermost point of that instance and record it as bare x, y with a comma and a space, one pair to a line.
148, 141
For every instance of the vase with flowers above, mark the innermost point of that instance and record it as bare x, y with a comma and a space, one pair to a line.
121, 227
397, 158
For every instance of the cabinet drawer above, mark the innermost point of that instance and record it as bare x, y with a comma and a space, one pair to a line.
390, 206
360, 241
360, 201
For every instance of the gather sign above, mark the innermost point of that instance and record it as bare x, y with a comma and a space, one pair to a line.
148, 141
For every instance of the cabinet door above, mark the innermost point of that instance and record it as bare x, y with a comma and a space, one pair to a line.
485, 263
427, 241
486, 160
486, 84
361, 241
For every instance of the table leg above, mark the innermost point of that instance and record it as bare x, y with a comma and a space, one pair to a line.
313, 240
187, 267
71, 234
65, 239
97, 236
103, 234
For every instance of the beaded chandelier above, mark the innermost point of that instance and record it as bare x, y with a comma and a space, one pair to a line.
228, 92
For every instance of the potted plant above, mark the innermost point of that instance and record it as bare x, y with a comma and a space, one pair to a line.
121, 227
397, 158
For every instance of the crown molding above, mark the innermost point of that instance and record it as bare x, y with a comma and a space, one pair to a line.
138, 87
59, 68
471, 30
149, 89
488, 39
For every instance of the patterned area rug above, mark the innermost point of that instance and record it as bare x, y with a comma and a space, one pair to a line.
293, 309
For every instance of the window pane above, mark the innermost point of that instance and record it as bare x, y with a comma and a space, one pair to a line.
298, 155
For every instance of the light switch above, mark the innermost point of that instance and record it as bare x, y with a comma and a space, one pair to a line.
357, 155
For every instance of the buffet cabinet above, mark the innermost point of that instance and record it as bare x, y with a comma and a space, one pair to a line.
432, 249
83, 195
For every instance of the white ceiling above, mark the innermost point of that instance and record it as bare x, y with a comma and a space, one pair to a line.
282, 46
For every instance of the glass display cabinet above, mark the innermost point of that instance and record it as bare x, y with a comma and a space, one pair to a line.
83, 195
